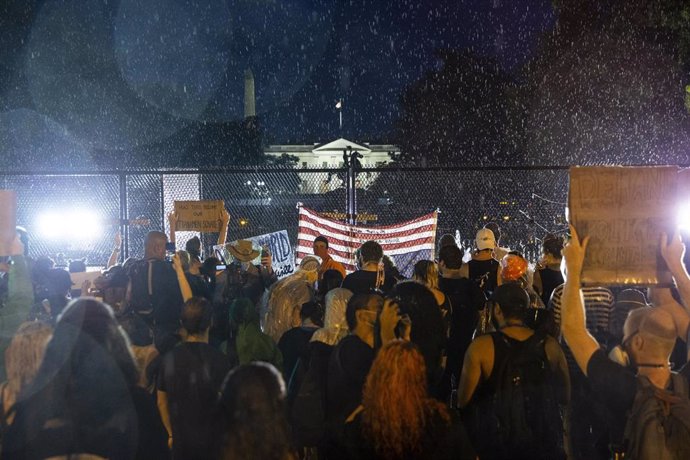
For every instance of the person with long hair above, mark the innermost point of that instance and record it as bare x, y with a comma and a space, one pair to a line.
426, 272
398, 419
84, 398
428, 330
252, 414
22, 359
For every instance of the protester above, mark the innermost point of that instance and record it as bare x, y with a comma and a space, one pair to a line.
548, 274
352, 357
397, 418
240, 279
483, 268
252, 412
626, 301
251, 343
590, 419
327, 262
84, 398
188, 383
308, 382
390, 271
514, 384
427, 328
467, 300
155, 291
294, 342
20, 297
371, 275
22, 360
330, 280
286, 297
426, 272
190, 267
649, 337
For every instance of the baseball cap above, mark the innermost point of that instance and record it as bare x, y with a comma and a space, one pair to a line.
511, 295
652, 321
485, 239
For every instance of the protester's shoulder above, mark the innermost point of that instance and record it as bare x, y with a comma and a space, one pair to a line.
481, 345
601, 368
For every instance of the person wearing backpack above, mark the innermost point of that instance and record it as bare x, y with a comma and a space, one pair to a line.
514, 386
649, 402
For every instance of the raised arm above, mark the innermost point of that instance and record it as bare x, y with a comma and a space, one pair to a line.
172, 222
185, 289
573, 319
115, 255
673, 252
223, 231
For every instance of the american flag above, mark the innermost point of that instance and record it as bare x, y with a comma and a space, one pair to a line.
405, 243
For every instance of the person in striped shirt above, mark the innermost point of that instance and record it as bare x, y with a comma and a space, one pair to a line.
589, 418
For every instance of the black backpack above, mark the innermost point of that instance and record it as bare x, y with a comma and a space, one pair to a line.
523, 420
658, 425
307, 407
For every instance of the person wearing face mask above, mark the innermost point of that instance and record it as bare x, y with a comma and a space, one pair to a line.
638, 379
351, 359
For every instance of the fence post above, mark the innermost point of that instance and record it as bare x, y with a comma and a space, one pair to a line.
352, 163
124, 215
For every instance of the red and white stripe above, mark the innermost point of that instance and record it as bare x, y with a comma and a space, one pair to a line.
343, 239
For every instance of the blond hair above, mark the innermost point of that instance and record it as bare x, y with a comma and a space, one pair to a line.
23, 357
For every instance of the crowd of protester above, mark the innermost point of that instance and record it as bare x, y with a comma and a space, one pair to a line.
482, 354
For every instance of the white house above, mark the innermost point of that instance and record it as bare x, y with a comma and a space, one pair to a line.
330, 155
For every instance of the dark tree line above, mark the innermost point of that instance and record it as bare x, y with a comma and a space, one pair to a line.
608, 85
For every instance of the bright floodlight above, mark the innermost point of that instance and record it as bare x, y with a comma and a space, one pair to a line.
684, 216
75, 225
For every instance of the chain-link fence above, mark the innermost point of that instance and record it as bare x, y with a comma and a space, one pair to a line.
73, 216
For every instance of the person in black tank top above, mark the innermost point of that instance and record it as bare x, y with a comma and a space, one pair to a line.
512, 384
548, 275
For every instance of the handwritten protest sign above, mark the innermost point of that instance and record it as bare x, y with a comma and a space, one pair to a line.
277, 243
8, 220
198, 216
623, 210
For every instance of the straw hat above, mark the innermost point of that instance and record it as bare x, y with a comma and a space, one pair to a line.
243, 250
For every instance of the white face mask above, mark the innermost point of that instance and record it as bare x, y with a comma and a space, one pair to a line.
620, 356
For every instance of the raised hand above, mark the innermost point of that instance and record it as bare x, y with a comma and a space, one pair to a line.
574, 253
673, 251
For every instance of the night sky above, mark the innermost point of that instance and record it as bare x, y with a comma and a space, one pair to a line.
117, 75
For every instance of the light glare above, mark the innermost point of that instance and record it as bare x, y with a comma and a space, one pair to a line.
75, 224
684, 216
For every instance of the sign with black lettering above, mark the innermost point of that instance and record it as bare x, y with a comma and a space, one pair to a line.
624, 210
198, 216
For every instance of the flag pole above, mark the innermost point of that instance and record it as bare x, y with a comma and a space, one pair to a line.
339, 106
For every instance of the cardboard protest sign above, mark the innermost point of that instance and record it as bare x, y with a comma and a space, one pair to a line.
8, 220
277, 243
78, 279
624, 210
198, 216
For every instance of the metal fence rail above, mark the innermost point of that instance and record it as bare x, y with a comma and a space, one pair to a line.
75, 215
